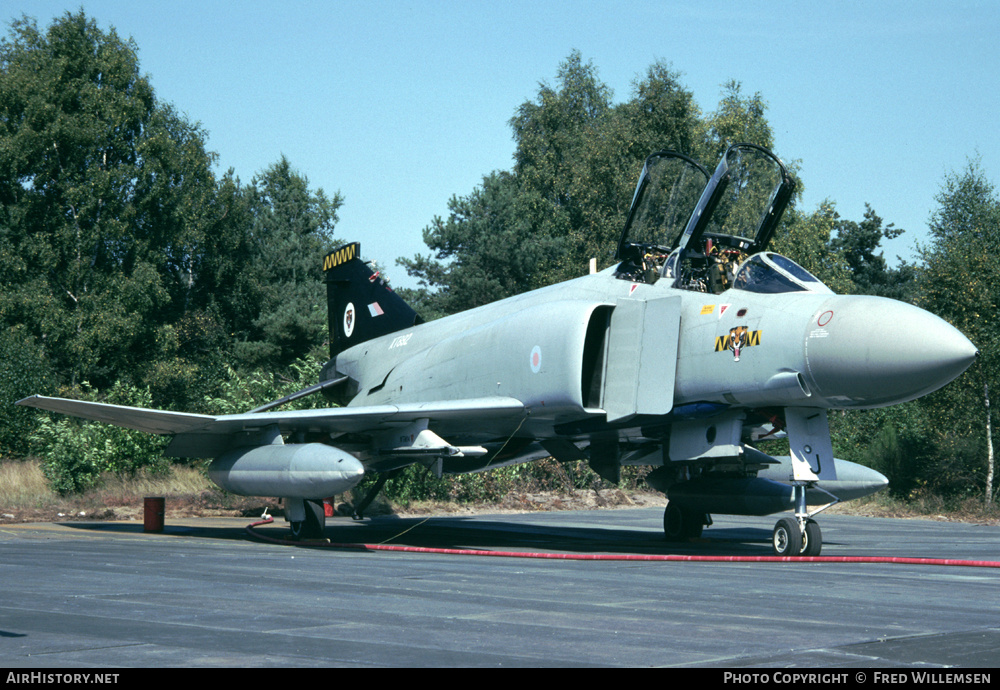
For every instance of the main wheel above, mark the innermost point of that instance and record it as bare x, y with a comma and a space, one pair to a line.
787, 537
314, 524
680, 524
812, 539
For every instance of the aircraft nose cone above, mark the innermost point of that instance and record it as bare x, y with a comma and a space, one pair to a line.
873, 351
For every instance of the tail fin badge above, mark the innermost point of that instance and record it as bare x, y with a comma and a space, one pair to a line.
349, 320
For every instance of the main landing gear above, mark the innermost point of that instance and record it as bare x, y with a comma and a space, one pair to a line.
312, 524
681, 525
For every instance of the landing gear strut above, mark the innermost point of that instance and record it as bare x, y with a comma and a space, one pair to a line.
383, 477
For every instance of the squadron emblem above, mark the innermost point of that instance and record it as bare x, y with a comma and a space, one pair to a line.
738, 338
349, 320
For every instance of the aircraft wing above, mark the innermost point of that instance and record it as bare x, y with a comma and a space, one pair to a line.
138, 418
205, 436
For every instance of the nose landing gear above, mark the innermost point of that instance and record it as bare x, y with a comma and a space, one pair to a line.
799, 535
791, 539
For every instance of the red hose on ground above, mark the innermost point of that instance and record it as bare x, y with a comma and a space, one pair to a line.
627, 557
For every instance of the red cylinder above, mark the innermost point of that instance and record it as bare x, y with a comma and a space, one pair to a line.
152, 514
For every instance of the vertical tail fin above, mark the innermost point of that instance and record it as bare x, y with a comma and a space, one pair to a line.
360, 304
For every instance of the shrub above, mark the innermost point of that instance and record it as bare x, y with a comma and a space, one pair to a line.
75, 453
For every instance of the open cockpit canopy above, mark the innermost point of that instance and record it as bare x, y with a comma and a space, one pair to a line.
684, 222
677, 204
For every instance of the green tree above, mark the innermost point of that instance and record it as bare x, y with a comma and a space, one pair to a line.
555, 166
24, 371
960, 282
807, 239
488, 248
77, 453
858, 244
101, 190
739, 119
291, 228
661, 114
238, 393
215, 297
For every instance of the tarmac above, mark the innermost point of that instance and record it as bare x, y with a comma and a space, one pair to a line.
205, 593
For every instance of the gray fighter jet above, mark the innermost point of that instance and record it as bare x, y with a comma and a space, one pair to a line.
697, 343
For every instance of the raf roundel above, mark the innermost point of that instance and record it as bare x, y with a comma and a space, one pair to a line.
536, 359
349, 319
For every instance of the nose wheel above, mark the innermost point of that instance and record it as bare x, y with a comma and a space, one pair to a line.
787, 537
799, 535
790, 538
812, 539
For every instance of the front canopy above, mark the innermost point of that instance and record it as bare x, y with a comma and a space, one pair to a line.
773, 273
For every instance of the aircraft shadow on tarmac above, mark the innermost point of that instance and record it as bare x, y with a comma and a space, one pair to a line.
478, 534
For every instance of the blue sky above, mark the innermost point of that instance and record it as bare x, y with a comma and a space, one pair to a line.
400, 105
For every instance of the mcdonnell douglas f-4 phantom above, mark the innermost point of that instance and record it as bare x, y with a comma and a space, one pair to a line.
693, 345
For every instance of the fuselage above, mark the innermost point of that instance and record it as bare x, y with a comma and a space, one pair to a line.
560, 351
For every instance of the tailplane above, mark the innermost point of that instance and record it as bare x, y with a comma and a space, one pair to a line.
360, 303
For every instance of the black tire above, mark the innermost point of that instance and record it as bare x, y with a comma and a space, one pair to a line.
812, 540
673, 523
680, 524
314, 524
787, 538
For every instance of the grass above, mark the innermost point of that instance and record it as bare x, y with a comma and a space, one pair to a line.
926, 507
25, 495
22, 485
